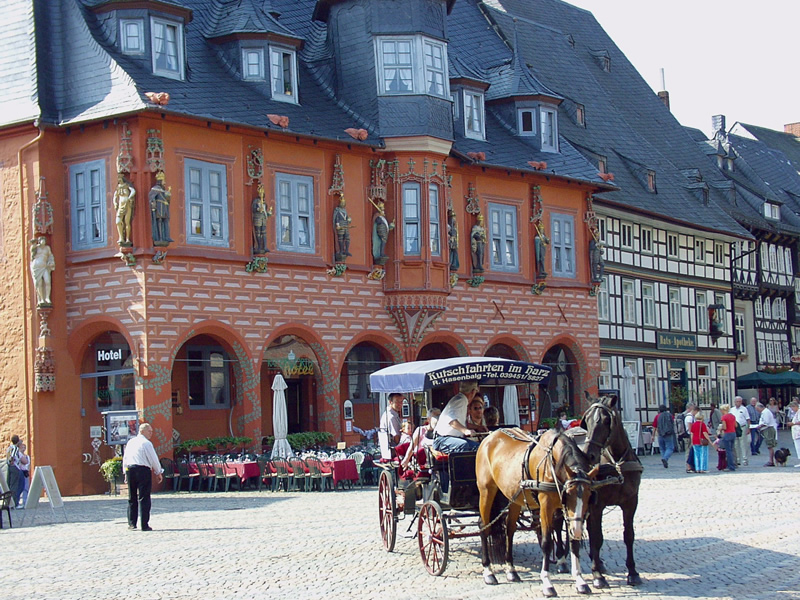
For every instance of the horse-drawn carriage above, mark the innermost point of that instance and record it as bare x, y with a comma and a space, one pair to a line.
468, 493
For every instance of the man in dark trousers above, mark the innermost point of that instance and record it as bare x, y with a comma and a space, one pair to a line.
139, 463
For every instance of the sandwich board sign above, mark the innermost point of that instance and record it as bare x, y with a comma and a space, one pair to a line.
44, 480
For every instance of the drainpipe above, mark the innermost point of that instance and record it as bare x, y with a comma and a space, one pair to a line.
25, 290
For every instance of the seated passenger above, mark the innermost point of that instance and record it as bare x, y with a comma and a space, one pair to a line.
475, 416
405, 433
422, 438
451, 432
491, 416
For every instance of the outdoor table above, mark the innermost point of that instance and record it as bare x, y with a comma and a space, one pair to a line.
344, 470
242, 470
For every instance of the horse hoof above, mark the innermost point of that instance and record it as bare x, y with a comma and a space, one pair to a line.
634, 579
549, 592
512, 577
562, 568
490, 580
600, 582
583, 589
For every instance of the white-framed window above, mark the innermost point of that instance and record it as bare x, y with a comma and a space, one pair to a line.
562, 227
628, 302
648, 305
767, 309
772, 211
626, 235
743, 258
797, 291
646, 240
434, 217
700, 251
787, 355
741, 332
412, 65
503, 237
651, 383
762, 351
283, 74
781, 263
131, 36
87, 188
703, 378
724, 384
548, 126
788, 261
526, 121
207, 371
764, 257
672, 245
167, 47
776, 309
454, 100
253, 64
675, 311
757, 308
295, 208
602, 301
604, 378
770, 352
773, 259
702, 312
602, 229
207, 202
411, 219
473, 114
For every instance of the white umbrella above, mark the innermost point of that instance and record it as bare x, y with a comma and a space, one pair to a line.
510, 406
280, 423
628, 400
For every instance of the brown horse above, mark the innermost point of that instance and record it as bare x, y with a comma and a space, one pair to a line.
514, 471
607, 445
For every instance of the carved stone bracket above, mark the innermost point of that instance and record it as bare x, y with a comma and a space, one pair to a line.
414, 315
377, 273
473, 202
453, 279
127, 257
44, 328
257, 265
538, 288
337, 270
155, 151
594, 289
255, 165
125, 156
476, 281
44, 369
42, 211
159, 257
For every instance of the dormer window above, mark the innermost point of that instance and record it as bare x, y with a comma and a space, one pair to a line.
651, 181
283, 74
602, 165
549, 129
526, 121
131, 36
772, 211
473, 115
412, 65
253, 64
167, 48
580, 115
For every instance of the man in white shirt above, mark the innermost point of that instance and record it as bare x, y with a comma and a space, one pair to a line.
741, 444
139, 462
390, 421
451, 432
768, 426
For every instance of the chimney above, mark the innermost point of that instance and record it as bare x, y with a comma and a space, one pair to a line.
793, 128
663, 95
717, 124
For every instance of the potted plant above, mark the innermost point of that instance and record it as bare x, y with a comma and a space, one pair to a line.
111, 470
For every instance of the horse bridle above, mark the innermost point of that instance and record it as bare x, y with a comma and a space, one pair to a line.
613, 414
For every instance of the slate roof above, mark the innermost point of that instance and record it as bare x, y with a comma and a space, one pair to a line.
786, 143
18, 102
244, 16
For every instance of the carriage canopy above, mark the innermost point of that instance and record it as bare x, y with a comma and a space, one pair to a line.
422, 375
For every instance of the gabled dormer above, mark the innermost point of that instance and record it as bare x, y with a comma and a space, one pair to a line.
256, 46
150, 31
468, 93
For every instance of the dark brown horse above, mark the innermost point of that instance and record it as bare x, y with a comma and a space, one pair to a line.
515, 472
607, 445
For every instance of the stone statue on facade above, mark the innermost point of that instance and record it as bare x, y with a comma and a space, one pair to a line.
380, 233
452, 240
341, 230
478, 245
124, 204
540, 243
260, 215
42, 265
159, 198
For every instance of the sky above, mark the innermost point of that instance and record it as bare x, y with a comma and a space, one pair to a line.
732, 57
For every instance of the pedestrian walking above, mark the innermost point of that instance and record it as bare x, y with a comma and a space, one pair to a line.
139, 463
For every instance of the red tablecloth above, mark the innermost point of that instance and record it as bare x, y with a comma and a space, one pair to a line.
242, 470
344, 470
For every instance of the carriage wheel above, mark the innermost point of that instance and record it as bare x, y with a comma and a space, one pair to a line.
387, 512
432, 537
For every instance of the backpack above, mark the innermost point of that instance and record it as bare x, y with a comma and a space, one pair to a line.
680, 426
664, 424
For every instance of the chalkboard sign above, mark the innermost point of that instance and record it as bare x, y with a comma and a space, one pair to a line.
632, 429
44, 479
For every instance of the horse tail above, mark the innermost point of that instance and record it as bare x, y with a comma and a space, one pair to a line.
497, 530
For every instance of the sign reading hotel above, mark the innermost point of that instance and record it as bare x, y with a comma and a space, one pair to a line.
682, 342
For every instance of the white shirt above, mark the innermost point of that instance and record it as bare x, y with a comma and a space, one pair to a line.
391, 422
456, 410
768, 419
687, 421
741, 414
140, 451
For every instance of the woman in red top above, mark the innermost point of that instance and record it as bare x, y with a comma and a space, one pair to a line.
729, 437
700, 433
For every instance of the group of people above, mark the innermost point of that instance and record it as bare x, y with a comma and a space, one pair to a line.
19, 471
736, 432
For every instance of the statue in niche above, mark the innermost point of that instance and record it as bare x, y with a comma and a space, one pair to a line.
478, 245
124, 204
341, 230
596, 261
452, 240
260, 215
159, 210
540, 243
43, 263
380, 233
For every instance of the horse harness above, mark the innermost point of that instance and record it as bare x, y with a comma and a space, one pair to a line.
622, 465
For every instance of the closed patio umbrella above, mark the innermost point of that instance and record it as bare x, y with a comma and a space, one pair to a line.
628, 401
510, 405
280, 425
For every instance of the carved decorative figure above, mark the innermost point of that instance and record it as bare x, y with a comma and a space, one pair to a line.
155, 151
598, 265
260, 215
380, 233
159, 198
341, 229
124, 206
42, 265
452, 239
540, 243
45, 370
42, 211
478, 245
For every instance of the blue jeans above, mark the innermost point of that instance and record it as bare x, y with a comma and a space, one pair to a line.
755, 440
667, 446
700, 457
727, 441
450, 444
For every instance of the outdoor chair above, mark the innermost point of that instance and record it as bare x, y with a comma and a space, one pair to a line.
207, 474
358, 457
318, 473
170, 472
184, 474
300, 479
221, 474
282, 475
5, 505
265, 472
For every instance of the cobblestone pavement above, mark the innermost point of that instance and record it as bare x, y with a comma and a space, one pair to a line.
718, 535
